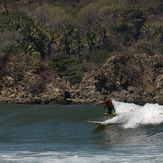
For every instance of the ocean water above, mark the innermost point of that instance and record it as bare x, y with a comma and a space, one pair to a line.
57, 134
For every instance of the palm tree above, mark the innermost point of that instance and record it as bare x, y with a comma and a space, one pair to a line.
67, 35
147, 29
34, 37
103, 36
79, 43
91, 42
159, 33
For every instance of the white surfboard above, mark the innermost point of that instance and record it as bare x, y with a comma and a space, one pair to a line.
102, 123
95, 122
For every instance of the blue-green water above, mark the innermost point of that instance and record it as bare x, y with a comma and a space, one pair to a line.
54, 133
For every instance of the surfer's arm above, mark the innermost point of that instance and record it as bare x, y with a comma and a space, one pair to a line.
98, 103
103, 108
101, 102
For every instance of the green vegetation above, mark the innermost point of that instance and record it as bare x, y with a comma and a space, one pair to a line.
75, 36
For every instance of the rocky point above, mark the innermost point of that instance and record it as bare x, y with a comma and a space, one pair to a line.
133, 78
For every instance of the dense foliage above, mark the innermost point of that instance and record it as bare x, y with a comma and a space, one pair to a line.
75, 36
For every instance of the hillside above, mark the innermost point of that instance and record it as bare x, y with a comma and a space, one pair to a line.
48, 48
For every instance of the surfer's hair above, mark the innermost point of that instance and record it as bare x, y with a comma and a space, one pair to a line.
105, 97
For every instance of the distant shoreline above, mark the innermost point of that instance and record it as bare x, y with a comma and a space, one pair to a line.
39, 101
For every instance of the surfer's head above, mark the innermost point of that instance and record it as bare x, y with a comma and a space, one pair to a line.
104, 98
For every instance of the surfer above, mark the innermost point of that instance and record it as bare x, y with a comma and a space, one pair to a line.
110, 107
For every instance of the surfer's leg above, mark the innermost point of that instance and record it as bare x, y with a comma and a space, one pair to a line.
113, 112
106, 116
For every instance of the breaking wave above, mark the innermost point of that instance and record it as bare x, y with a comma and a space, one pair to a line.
132, 115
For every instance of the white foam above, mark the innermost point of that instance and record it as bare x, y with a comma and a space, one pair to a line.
132, 115
80, 157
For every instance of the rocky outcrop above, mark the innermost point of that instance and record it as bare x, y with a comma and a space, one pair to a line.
134, 78
25, 82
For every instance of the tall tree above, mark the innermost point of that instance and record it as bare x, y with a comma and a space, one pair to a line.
103, 34
159, 33
89, 18
147, 29
34, 38
91, 40
67, 36
134, 18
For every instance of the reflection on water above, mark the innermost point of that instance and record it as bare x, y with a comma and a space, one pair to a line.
117, 135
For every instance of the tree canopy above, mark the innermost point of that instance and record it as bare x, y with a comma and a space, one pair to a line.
70, 33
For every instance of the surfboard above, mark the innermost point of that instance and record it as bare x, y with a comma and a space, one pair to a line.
95, 122
102, 123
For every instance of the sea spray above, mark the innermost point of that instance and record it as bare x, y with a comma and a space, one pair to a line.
132, 115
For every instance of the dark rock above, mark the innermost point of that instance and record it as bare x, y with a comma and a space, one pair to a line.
134, 78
